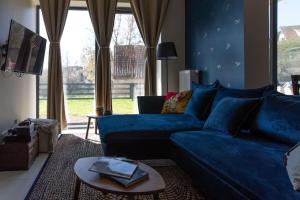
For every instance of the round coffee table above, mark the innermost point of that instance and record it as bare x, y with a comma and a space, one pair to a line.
154, 185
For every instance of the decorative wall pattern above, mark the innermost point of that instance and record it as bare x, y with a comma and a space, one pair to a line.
215, 40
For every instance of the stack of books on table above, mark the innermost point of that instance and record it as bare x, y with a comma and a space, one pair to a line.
121, 170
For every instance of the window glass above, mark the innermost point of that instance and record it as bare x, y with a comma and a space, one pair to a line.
78, 63
288, 43
127, 64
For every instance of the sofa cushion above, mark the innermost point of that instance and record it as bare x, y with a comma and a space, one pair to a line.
231, 114
239, 93
144, 127
200, 102
169, 95
176, 103
279, 119
252, 167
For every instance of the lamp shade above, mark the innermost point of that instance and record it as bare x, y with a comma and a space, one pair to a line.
166, 51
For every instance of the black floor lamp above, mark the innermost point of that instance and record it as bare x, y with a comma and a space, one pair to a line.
166, 51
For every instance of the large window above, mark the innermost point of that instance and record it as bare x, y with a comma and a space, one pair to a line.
78, 47
288, 43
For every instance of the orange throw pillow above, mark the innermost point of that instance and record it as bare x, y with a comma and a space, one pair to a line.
177, 103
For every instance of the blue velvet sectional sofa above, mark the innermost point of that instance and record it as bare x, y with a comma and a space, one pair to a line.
248, 165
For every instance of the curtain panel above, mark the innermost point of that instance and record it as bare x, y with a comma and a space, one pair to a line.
55, 14
149, 15
102, 13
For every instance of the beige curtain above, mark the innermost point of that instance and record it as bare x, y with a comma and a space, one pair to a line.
150, 15
55, 15
102, 13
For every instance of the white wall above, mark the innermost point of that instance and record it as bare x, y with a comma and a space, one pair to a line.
17, 95
174, 31
258, 71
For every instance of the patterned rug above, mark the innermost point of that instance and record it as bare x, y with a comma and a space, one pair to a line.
57, 179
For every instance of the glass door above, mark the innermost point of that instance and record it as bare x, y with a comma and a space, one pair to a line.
127, 64
78, 64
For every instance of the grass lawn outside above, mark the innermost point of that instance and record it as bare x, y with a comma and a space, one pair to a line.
77, 109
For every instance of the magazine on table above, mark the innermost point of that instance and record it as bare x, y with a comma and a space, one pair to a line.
114, 166
138, 176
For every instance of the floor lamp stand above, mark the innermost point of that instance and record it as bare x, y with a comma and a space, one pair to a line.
167, 69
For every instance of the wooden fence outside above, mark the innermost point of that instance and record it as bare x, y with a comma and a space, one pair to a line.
80, 91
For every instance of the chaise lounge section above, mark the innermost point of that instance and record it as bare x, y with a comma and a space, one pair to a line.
143, 136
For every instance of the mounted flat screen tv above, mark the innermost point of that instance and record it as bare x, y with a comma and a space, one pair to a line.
25, 51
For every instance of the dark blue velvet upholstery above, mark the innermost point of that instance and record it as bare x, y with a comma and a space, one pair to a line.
200, 102
151, 126
150, 104
279, 118
249, 166
254, 168
231, 114
142, 136
238, 93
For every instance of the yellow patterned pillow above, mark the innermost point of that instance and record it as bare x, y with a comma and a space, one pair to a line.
176, 103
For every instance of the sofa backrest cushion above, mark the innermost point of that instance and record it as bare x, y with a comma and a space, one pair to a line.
279, 118
240, 93
231, 114
200, 102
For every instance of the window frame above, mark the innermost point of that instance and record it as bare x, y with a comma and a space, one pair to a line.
274, 43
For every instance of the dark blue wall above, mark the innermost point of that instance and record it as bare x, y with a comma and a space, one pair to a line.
215, 40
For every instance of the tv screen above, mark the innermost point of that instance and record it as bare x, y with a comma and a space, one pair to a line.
25, 51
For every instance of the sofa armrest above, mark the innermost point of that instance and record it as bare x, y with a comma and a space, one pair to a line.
150, 104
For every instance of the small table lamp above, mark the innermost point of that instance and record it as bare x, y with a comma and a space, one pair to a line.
166, 51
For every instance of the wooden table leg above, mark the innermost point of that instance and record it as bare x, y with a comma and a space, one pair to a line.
87, 129
96, 126
77, 188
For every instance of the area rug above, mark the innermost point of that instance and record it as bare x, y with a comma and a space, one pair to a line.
56, 180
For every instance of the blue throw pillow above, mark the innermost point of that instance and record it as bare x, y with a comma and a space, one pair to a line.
200, 102
215, 85
279, 118
231, 114
240, 93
